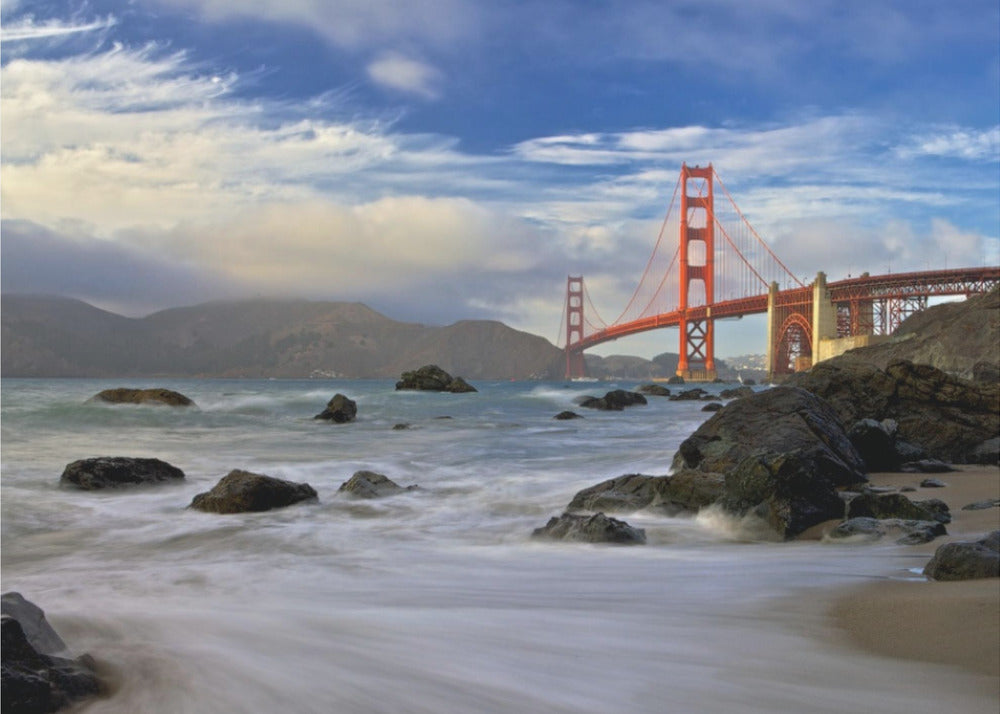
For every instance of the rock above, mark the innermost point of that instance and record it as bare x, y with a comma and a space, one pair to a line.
982, 505
400, 427
676, 379
736, 393
690, 395
118, 472
125, 395
567, 415
966, 560
947, 416
39, 674
875, 444
597, 528
656, 390
887, 505
932, 483
339, 410
433, 379
687, 491
936, 507
783, 453
712, 407
913, 532
927, 466
242, 491
907, 453
615, 400
987, 452
368, 484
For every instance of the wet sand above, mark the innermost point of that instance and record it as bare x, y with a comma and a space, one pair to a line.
950, 623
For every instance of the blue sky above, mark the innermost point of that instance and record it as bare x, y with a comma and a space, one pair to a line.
452, 159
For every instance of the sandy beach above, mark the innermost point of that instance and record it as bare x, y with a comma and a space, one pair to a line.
950, 623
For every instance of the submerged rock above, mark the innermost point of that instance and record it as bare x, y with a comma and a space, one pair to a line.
565, 415
339, 410
242, 491
368, 484
39, 673
433, 379
597, 528
118, 472
615, 400
656, 390
966, 560
158, 395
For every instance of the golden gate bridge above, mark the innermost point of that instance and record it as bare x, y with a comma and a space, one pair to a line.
719, 267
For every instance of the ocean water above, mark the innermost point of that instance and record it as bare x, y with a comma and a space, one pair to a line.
436, 600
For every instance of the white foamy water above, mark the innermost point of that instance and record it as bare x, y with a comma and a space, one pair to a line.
435, 600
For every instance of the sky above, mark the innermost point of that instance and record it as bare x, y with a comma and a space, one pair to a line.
444, 160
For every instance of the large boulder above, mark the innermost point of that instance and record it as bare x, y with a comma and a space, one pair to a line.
687, 491
157, 395
947, 417
368, 484
118, 472
39, 675
339, 410
615, 400
784, 455
966, 560
432, 378
597, 528
242, 491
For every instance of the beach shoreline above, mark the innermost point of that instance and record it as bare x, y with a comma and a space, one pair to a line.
948, 623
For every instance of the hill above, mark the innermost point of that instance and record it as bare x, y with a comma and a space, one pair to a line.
60, 337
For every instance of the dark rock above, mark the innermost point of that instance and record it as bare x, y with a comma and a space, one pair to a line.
368, 484
597, 528
875, 443
433, 379
339, 410
687, 491
887, 505
567, 415
656, 390
736, 393
712, 407
400, 427
913, 532
38, 673
783, 453
118, 472
124, 395
242, 491
926, 466
987, 452
966, 560
908, 453
932, 483
982, 505
988, 372
615, 400
676, 379
936, 507
690, 395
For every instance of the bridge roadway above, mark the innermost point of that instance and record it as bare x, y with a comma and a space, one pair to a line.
931, 283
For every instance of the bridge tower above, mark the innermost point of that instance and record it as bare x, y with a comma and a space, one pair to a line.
575, 366
697, 230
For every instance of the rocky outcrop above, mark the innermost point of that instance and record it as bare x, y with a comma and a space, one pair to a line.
124, 395
966, 560
597, 528
339, 410
694, 394
39, 673
615, 400
655, 390
946, 417
242, 491
432, 378
368, 484
895, 505
118, 472
736, 392
783, 454
684, 492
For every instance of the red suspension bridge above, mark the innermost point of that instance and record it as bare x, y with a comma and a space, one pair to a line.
719, 267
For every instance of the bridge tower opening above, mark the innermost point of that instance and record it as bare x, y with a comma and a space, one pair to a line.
575, 365
697, 230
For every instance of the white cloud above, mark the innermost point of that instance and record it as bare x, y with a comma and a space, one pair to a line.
27, 29
956, 142
395, 71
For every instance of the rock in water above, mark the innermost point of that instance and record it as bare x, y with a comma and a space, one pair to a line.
118, 472
615, 400
242, 491
39, 675
687, 491
432, 378
966, 561
656, 390
597, 528
339, 410
368, 484
783, 453
125, 395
